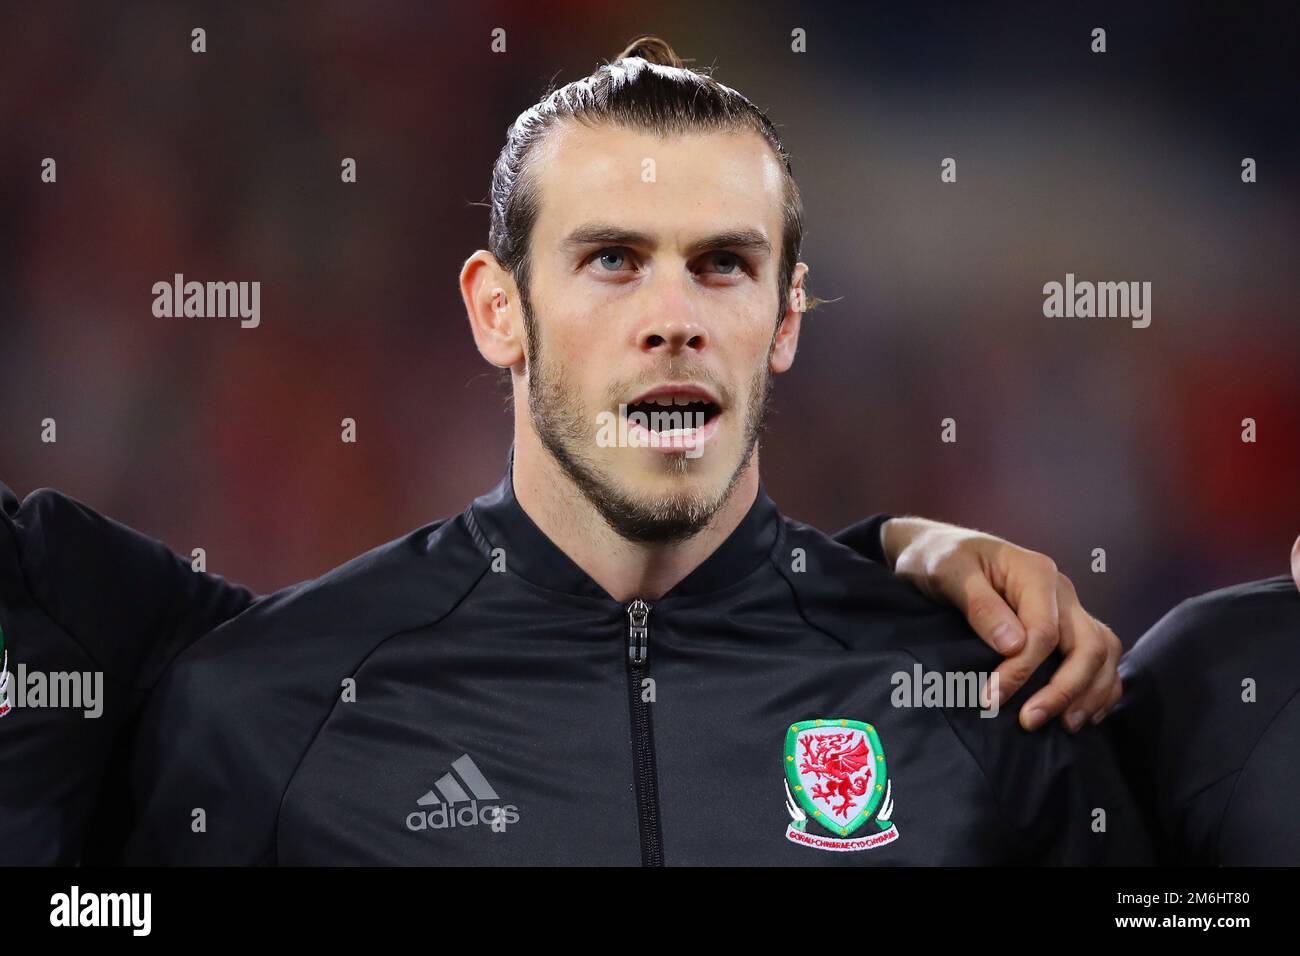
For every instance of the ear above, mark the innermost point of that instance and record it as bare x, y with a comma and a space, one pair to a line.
495, 315
1295, 562
787, 334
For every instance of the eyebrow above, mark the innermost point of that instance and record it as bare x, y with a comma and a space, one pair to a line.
603, 234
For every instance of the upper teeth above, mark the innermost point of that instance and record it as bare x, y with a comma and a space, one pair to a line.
670, 400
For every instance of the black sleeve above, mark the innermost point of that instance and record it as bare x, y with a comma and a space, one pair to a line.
87, 603
1209, 724
864, 537
1061, 797
1063, 794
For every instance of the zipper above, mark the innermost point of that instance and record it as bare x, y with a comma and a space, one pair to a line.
646, 776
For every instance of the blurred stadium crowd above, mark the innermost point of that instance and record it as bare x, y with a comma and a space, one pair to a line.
1073, 434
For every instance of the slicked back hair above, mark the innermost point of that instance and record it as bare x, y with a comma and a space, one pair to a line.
647, 87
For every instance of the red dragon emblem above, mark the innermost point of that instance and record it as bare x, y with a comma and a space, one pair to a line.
837, 757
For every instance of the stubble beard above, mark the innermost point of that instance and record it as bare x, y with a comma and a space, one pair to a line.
569, 436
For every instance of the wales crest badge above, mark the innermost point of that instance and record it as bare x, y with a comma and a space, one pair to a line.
837, 787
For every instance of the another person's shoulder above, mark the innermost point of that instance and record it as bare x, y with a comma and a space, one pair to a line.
1257, 620
126, 598
1207, 693
90, 604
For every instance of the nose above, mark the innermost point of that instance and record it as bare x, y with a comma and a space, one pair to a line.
674, 337
673, 328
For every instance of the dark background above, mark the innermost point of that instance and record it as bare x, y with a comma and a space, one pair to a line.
1072, 434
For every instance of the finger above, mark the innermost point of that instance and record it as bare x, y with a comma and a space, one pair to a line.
1013, 673
1089, 671
1090, 641
1116, 694
1085, 656
1101, 695
1295, 562
1033, 596
989, 615
1097, 699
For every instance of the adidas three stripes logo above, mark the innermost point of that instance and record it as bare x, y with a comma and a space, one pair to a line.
460, 798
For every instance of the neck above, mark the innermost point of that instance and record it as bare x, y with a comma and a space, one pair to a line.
625, 569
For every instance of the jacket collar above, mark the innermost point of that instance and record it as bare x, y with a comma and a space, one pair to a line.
499, 521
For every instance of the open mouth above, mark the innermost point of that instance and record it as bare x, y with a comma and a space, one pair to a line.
695, 413
671, 420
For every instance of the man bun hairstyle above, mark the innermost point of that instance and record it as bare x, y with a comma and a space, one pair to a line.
649, 88
652, 49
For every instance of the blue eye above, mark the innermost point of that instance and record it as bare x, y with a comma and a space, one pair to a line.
616, 258
735, 261
608, 253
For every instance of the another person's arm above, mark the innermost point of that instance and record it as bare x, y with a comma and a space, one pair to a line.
88, 604
1017, 601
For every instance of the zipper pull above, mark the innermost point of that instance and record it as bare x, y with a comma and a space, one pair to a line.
638, 631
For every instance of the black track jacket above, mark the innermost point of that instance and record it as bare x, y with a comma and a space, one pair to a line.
92, 613
467, 695
1209, 728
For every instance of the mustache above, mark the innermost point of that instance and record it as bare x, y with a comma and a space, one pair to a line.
618, 391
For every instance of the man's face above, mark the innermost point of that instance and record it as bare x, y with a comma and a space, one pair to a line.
653, 290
